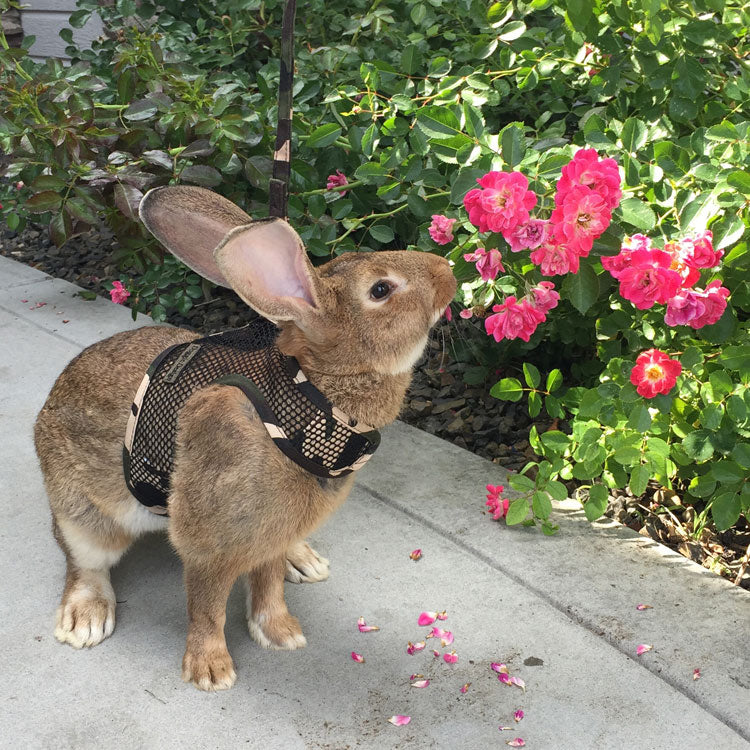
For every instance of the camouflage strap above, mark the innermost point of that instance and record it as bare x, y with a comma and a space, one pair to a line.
279, 184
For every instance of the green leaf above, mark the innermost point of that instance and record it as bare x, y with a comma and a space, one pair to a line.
323, 136
595, 506
520, 483
735, 357
47, 182
47, 200
60, 228
80, 210
517, 511
541, 504
633, 135
558, 490
88, 295
512, 30
438, 122
508, 389
381, 233
258, 171
640, 418
579, 12
726, 509
535, 404
554, 380
140, 110
639, 479
555, 441
411, 59
512, 145
531, 375
741, 454
741, 180
636, 213
371, 173
698, 445
582, 288
78, 18
201, 174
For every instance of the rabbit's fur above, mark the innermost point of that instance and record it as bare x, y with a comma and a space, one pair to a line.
237, 506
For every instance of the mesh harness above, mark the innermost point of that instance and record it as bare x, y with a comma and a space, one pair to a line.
303, 424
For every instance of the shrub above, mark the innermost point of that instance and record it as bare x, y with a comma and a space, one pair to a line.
419, 100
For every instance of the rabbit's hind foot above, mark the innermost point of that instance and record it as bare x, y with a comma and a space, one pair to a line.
304, 564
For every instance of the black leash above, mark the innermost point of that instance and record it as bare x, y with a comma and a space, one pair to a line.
279, 184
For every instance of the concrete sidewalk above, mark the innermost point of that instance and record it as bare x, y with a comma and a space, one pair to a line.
561, 611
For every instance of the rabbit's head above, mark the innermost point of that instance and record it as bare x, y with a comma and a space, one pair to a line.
360, 313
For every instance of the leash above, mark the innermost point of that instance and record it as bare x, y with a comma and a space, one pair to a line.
279, 183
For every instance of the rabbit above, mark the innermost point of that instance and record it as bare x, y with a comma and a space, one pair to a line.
237, 505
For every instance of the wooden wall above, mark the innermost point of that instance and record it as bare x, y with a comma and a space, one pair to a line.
45, 18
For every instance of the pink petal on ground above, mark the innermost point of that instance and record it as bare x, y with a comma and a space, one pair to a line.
643, 648
465, 687
442, 615
435, 653
24, 300
451, 658
358, 657
518, 682
416, 677
504, 677
416, 555
497, 666
517, 742
696, 674
427, 618
412, 648
420, 683
365, 628
518, 715
641, 607
447, 638
399, 721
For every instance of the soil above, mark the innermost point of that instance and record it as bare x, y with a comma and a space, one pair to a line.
438, 401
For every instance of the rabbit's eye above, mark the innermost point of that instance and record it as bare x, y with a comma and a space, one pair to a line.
380, 290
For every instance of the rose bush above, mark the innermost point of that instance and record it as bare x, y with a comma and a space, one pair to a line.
608, 141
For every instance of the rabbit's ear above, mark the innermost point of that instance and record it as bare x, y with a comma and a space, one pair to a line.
190, 222
266, 264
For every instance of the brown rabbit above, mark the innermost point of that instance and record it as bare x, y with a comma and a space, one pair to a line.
237, 505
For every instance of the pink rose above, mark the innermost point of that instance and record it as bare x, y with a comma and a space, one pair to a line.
528, 236
513, 319
489, 264
441, 229
648, 278
496, 503
118, 293
580, 217
544, 296
654, 373
337, 180
715, 302
502, 204
555, 259
698, 251
603, 177
685, 307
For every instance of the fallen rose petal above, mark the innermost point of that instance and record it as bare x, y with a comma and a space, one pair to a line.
66, 321
412, 648
641, 607
505, 729
499, 667
24, 300
399, 720
442, 615
416, 555
416, 677
504, 677
365, 628
696, 674
358, 657
451, 658
435, 653
517, 742
518, 682
465, 687
447, 638
518, 715
420, 683
427, 618
643, 648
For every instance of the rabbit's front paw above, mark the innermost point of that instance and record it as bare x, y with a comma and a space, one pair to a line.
282, 632
304, 564
85, 618
209, 670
